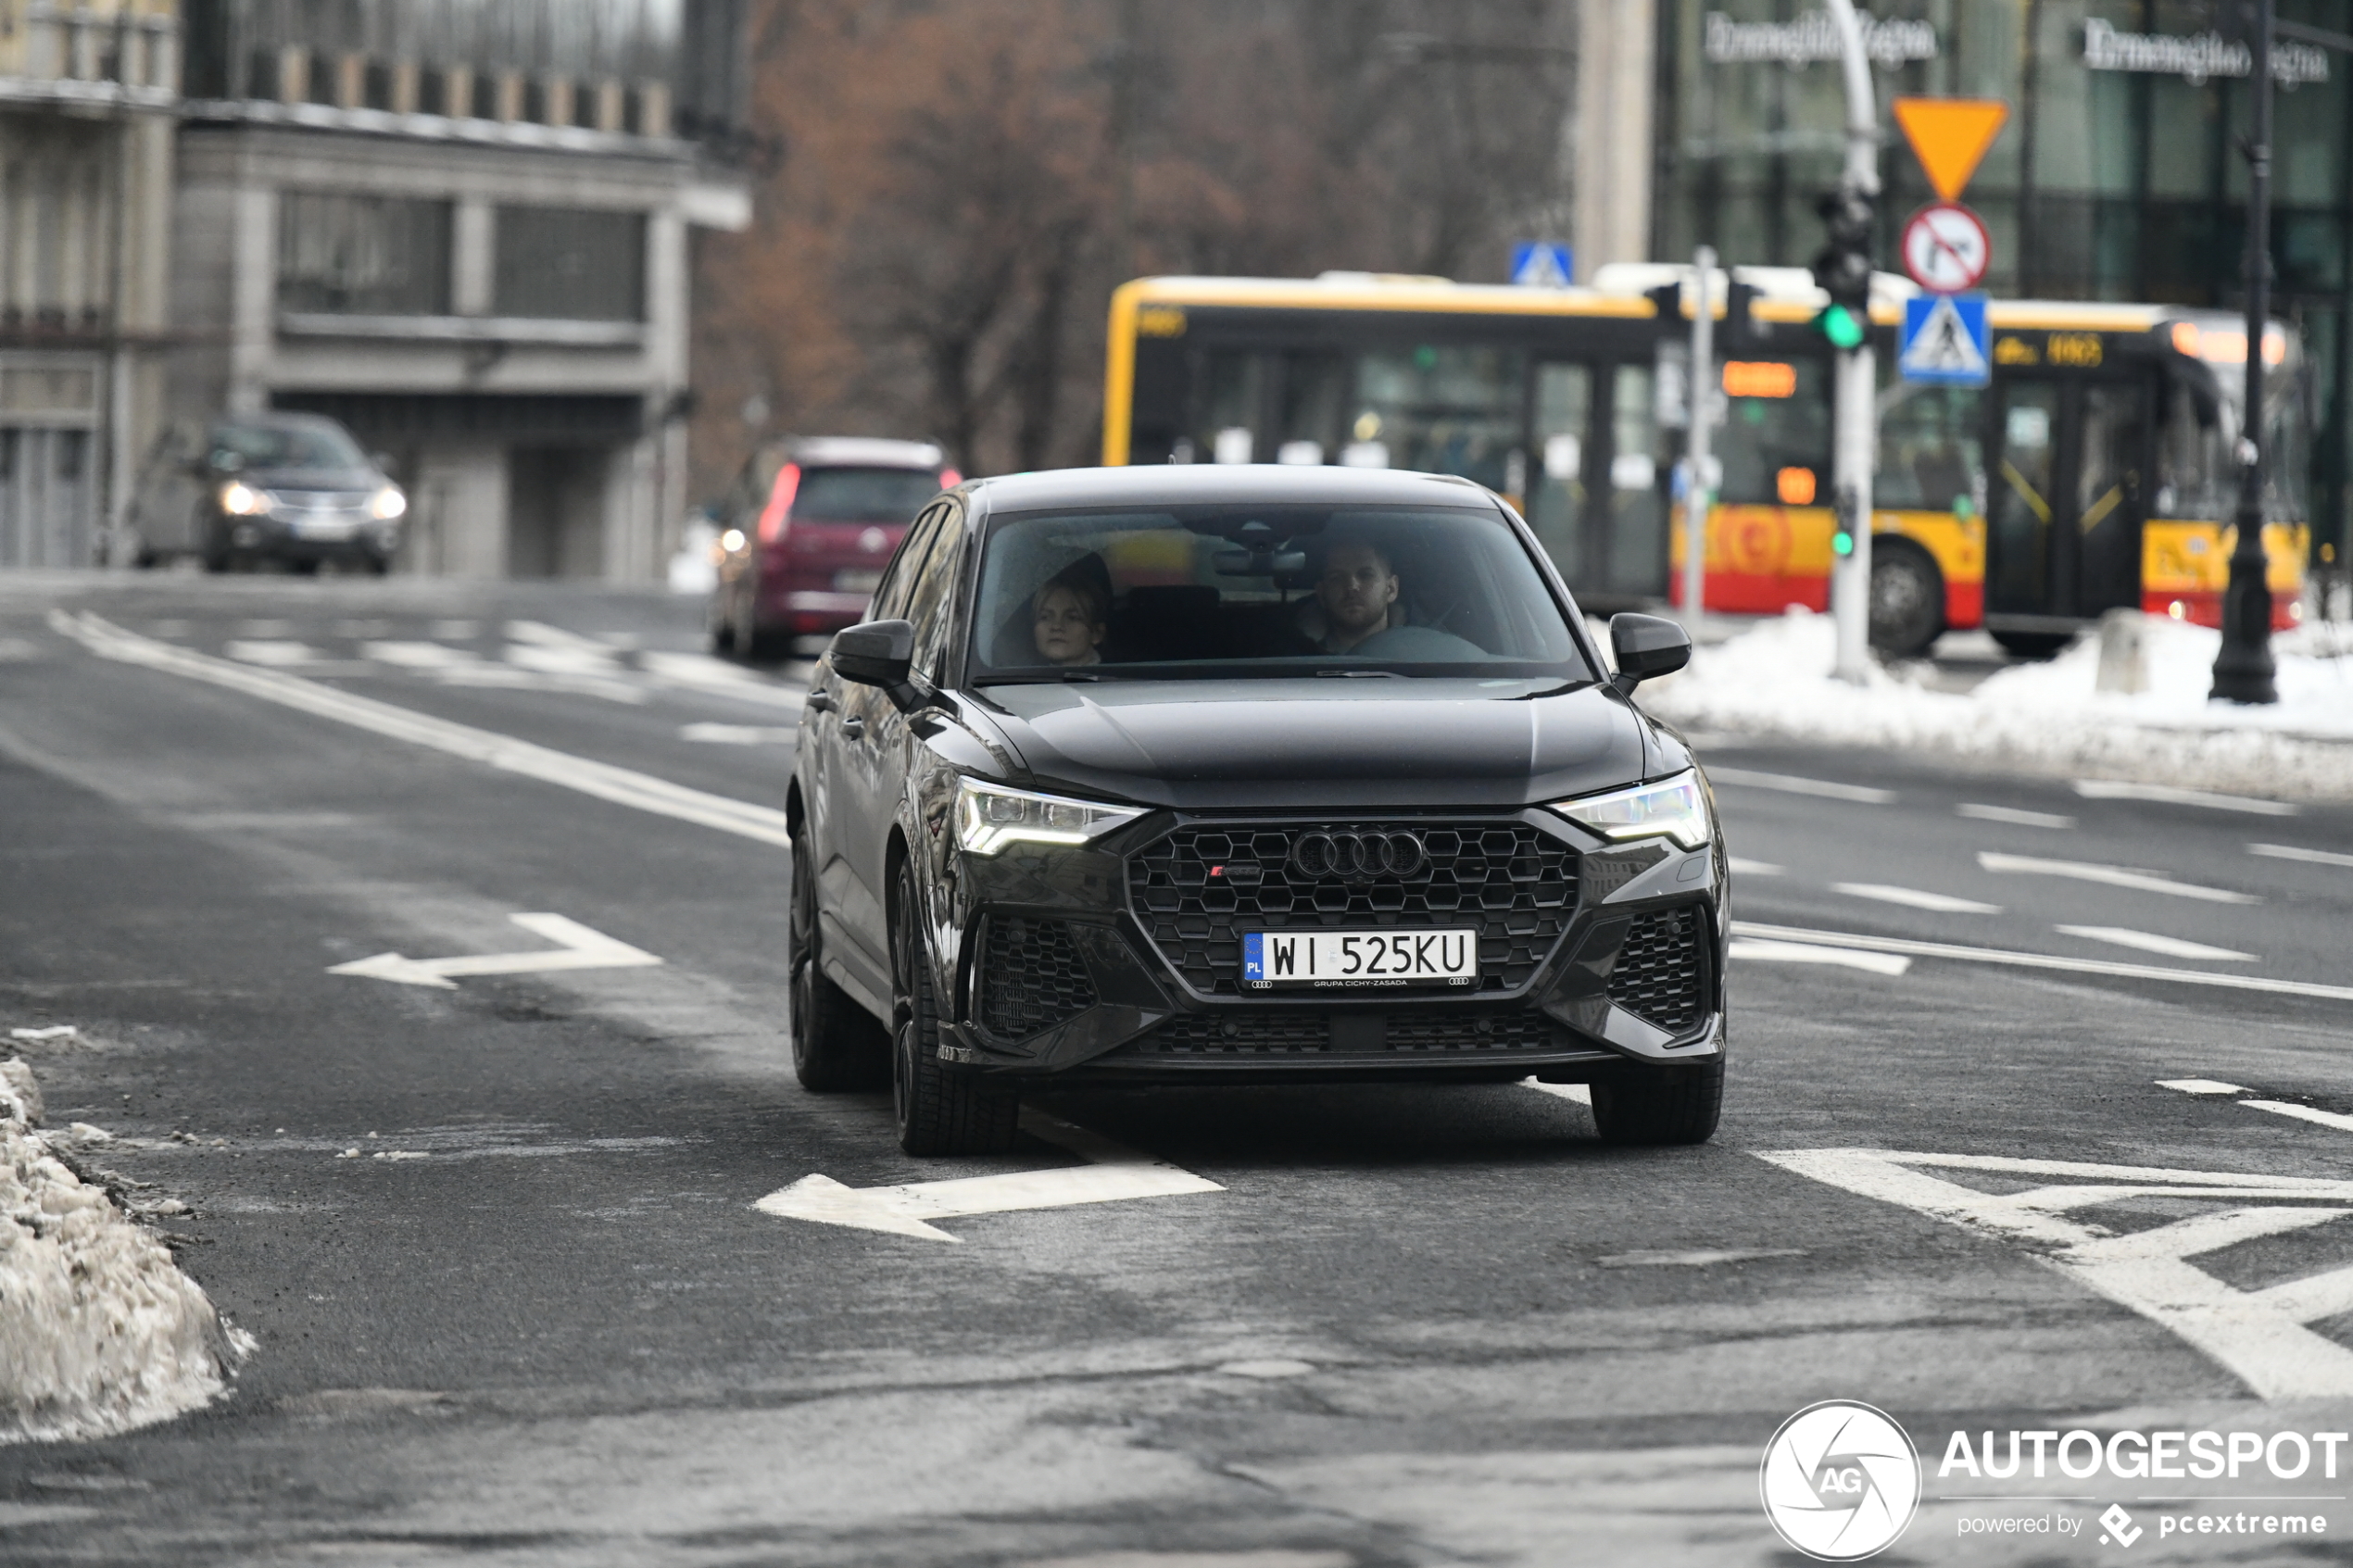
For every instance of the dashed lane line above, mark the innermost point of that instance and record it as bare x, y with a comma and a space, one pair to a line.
2151, 942
1789, 785
1914, 898
622, 786
2007, 959
2200, 1085
2172, 795
1751, 868
1814, 952
2294, 852
2013, 816
2311, 1113
2113, 877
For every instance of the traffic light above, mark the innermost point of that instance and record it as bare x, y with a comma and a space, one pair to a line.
1842, 519
1843, 267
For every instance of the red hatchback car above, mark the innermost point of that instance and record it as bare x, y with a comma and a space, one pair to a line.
805, 533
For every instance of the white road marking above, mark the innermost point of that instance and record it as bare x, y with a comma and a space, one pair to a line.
578, 947
1698, 1259
622, 786
1808, 952
2111, 789
1267, 1367
1790, 786
1861, 943
419, 655
1751, 868
2150, 942
1912, 898
54, 1031
2341, 1122
740, 735
1113, 1172
2200, 1085
2257, 1334
701, 672
1582, 1093
2292, 852
255, 650
2114, 876
2013, 816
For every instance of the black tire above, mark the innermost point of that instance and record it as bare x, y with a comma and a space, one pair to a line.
379, 565
2034, 644
836, 1044
1670, 1105
217, 556
939, 1111
721, 625
1907, 598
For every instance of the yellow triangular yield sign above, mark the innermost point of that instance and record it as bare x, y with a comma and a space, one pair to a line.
1949, 135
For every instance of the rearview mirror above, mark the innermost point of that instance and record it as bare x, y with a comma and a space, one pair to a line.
877, 653
1646, 645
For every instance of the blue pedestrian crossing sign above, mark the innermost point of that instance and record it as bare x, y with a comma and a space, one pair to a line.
1541, 264
1946, 340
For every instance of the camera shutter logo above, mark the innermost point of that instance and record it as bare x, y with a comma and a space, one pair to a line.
1358, 856
1839, 1481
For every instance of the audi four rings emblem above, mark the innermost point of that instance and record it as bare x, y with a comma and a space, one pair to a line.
1354, 856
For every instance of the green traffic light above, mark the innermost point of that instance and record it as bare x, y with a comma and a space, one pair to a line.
1843, 544
1840, 325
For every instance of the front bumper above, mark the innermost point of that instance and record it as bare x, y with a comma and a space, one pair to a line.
1065, 971
312, 538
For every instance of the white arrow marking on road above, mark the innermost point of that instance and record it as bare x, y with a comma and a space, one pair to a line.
2257, 1335
579, 948
1113, 1172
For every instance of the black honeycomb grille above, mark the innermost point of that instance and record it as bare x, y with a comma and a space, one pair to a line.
1516, 884
1300, 1033
1658, 974
1031, 976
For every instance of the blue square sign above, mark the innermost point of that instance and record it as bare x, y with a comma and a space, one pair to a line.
1946, 340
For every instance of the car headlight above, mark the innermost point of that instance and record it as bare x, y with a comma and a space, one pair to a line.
1673, 808
240, 499
988, 817
388, 504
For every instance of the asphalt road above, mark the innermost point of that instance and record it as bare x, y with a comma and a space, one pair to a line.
1409, 1327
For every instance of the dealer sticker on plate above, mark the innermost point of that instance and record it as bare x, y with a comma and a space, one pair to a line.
1360, 958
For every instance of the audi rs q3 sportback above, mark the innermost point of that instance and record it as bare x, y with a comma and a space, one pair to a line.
1246, 774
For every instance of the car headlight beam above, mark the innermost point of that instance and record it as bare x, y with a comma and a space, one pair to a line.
387, 504
240, 499
1674, 809
989, 817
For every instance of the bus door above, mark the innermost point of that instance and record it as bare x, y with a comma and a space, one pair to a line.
1594, 491
2063, 540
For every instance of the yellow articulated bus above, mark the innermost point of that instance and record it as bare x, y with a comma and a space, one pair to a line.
2095, 471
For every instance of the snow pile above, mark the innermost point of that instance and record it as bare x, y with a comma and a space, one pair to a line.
99, 1330
1774, 680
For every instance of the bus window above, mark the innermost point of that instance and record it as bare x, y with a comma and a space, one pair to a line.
2017, 548
1763, 436
2192, 481
1314, 391
1638, 537
1442, 408
1931, 453
1235, 390
1556, 507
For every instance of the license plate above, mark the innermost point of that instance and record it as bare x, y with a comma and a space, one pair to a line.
323, 528
1449, 957
857, 582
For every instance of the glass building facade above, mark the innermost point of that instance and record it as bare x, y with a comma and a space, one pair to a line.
2118, 176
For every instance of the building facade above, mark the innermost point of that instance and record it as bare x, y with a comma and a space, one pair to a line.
2116, 178
462, 227
87, 97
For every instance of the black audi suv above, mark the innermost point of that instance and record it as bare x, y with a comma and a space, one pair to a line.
1246, 774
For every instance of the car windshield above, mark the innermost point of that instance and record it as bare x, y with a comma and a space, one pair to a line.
284, 446
1211, 591
863, 495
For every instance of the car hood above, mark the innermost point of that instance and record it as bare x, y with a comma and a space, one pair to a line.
311, 479
1324, 742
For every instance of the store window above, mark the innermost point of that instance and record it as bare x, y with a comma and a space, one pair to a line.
567, 264
362, 256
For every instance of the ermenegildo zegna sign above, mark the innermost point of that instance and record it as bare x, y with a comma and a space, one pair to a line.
1895, 41
2195, 58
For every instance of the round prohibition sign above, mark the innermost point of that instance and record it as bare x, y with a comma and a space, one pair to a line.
1946, 248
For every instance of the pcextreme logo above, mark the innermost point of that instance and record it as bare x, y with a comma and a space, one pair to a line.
1839, 1481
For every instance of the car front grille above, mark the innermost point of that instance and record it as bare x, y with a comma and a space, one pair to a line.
1030, 976
1300, 1033
1196, 890
1660, 973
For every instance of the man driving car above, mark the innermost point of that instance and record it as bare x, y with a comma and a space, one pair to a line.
1356, 590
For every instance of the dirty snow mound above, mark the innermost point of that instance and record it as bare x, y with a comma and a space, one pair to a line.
1775, 680
99, 1330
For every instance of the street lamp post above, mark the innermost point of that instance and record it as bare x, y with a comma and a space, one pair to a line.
2242, 670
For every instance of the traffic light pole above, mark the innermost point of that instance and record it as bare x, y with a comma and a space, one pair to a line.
2242, 670
1699, 495
1854, 445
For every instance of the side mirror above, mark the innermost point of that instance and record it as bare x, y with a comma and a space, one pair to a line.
877, 653
1646, 645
